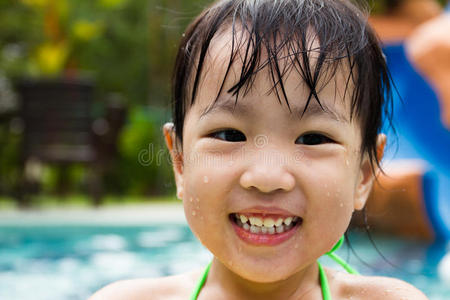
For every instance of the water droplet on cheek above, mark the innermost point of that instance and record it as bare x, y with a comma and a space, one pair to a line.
328, 194
347, 162
341, 204
190, 199
194, 212
205, 179
296, 246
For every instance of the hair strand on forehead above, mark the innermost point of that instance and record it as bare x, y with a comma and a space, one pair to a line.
314, 38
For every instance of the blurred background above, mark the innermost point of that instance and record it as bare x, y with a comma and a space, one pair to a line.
118, 56
86, 189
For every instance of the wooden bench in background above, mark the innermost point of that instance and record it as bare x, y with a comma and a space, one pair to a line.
58, 129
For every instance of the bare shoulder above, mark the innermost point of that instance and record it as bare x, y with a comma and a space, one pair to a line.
168, 288
372, 287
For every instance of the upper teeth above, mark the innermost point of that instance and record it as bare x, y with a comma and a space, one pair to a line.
256, 221
243, 219
288, 220
266, 222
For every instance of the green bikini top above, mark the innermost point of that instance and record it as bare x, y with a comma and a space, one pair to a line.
322, 276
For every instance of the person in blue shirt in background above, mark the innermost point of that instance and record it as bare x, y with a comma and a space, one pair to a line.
413, 198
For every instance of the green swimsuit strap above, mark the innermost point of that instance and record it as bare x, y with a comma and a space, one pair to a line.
326, 294
322, 275
200, 283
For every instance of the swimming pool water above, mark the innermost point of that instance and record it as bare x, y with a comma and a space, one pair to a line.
71, 262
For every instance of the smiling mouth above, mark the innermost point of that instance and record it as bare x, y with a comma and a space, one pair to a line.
271, 225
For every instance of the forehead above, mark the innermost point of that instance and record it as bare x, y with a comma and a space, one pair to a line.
284, 73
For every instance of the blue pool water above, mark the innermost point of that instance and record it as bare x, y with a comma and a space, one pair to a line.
71, 262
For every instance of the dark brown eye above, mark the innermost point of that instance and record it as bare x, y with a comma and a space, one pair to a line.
229, 135
313, 139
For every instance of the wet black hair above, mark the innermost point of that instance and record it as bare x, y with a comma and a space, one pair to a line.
285, 30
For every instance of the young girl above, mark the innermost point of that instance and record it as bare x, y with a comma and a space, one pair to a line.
275, 142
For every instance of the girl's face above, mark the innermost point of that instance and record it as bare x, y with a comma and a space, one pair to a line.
260, 163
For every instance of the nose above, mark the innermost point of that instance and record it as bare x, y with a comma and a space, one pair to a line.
267, 178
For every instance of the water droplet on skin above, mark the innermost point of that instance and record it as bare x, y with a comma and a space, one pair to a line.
325, 185
296, 246
341, 204
205, 179
190, 199
194, 213
347, 162
328, 194
197, 199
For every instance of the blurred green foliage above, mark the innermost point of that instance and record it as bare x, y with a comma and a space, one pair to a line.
110, 43
145, 166
132, 53
384, 6
128, 47
9, 159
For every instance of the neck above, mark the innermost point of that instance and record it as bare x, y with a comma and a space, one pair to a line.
298, 286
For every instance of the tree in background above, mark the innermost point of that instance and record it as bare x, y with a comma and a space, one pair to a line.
128, 46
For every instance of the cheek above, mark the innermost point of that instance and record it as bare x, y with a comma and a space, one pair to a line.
206, 186
208, 174
331, 193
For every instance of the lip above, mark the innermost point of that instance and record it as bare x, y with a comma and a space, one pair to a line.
267, 211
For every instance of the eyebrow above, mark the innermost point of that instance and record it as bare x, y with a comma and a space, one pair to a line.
314, 108
228, 105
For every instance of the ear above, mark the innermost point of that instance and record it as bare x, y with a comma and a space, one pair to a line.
176, 156
366, 174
